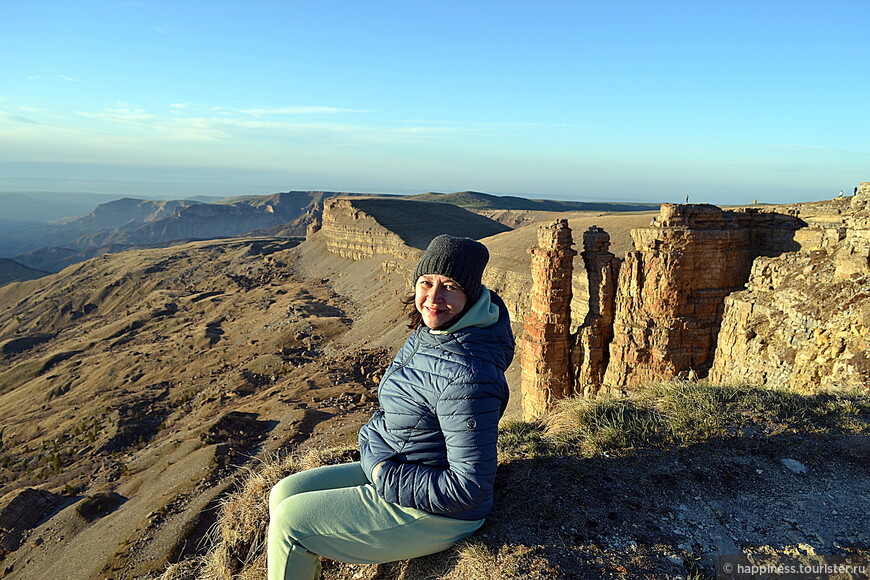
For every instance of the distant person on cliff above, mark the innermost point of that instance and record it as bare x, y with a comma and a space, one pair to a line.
428, 455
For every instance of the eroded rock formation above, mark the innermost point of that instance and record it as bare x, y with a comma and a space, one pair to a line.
672, 288
775, 295
546, 369
803, 320
353, 233
592, 343
360, 227
313, 227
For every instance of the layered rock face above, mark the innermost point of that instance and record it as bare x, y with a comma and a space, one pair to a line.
853, 255
803, 320
672, 288
313, 227
592, 343
353, 233
359, 227
546, 368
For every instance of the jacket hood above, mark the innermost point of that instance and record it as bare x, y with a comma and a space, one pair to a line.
493, 343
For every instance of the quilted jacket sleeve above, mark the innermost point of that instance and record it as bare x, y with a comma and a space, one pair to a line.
373, 449
468, 413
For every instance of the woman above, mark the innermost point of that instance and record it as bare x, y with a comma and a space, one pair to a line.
428, 455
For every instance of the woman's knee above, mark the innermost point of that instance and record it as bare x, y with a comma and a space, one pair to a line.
287, 487
319, 478
292, 518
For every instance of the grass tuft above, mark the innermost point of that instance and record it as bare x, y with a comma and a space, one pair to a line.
239, 536
688, 412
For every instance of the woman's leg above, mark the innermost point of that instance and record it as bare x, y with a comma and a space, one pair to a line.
286, 558
351, 524
326, 477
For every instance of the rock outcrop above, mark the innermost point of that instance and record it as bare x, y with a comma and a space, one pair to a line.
672, 288
803, 320
313, 227
775, 295
853, 255
546, 368
24, 511
353, 233
592, 341
359, 228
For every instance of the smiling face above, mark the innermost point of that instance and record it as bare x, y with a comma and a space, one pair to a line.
439, 300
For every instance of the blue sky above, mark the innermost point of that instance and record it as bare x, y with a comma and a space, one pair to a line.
624, 100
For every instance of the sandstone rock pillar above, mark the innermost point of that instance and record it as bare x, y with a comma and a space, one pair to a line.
591, 348
545, 349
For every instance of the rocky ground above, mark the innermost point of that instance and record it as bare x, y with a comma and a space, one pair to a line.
136, 386
647, 511
662, 514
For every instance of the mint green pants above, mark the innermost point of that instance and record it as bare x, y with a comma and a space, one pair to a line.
333, 511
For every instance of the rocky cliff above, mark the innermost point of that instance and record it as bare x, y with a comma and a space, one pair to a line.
672, 287
591, 350
804, 318
776, 295
353, 233
359, 228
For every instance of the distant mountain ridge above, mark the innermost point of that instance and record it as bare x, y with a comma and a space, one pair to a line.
126, 223
483, 201
11, 271
120, 212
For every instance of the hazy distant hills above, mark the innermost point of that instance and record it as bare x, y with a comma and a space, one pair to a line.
125, 223
123, 212
11, 270
44, 206
484, 201
48, 232
139, 223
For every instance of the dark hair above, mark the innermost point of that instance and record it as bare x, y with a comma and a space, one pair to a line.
415, 319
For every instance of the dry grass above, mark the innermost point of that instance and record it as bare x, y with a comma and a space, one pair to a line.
664, 415
238, 539
687, 412
506, 562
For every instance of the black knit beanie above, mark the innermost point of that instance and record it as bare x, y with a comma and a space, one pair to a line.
461, 259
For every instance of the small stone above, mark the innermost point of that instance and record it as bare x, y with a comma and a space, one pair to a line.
794, 466
859, 447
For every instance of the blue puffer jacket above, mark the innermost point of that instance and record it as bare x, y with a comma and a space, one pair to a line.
437, 428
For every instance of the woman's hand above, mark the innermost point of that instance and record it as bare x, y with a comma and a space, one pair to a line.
375, 472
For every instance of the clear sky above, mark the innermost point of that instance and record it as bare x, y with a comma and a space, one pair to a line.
727, 101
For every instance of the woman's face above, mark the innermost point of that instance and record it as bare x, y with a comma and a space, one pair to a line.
439, 300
